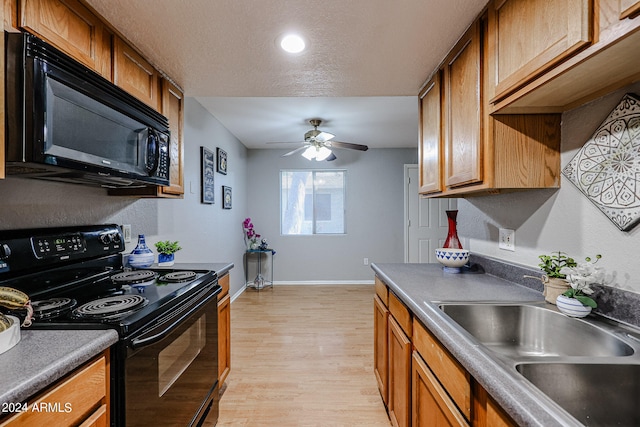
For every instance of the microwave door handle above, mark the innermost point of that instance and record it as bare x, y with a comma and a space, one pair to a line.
153, 146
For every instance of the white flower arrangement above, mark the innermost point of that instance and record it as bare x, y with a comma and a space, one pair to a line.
580, 277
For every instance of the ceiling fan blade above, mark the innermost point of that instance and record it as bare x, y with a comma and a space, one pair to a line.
297, 150
331, 158
285, 142
350, 146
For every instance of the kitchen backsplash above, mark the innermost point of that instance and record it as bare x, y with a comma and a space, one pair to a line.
613, 303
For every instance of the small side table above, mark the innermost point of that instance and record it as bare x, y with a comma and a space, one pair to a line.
262, 279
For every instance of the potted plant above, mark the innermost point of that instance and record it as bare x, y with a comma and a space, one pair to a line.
166, 252
553, 279
576, 302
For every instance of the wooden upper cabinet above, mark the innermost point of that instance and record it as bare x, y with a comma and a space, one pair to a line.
463, 110
430, 147
533, 35
629, 8
135, 74
173, 109
72, 28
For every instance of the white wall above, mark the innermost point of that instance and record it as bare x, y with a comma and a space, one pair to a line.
207, 233
374, 215
552, 220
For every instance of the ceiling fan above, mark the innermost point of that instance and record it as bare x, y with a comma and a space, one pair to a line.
317, 144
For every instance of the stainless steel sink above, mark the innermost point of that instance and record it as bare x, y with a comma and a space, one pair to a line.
595, 394
518, 331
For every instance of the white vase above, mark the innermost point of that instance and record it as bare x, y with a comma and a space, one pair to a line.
572, 307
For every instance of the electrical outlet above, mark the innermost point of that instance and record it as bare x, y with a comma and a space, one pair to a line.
507, 239
366, 261
126, 230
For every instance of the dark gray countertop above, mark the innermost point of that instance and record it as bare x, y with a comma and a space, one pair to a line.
44, 356
420, 286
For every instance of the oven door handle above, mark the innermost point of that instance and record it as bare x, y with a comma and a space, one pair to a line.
147, 340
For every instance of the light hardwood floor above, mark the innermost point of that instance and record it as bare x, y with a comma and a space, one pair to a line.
302, 356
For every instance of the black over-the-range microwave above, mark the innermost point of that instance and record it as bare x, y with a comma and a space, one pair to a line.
65, 122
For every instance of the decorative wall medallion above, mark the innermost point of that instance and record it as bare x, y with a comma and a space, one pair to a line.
607, 168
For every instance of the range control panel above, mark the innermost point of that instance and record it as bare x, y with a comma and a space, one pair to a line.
58, 246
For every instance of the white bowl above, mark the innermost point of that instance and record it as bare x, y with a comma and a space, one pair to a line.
11, 336
452, 258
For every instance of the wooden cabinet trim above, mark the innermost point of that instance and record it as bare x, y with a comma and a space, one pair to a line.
382, 291
381, 347
454, 378
629, 8
399, 404
430, 137
463, 111
224, 338
401, 314
423, 380
224, 284
575, 33
86, 390
173, 109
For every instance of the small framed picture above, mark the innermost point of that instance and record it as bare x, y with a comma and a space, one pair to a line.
226, 197
207, 162
222, 161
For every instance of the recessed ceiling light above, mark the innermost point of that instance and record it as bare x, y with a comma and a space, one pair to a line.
292, 43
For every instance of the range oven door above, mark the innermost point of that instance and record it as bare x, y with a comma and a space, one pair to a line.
169, 373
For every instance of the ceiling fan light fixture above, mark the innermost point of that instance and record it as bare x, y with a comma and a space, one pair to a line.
322, 154
309, 153
292, 43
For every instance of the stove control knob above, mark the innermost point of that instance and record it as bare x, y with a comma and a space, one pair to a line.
116, 238
105, 238
5, 251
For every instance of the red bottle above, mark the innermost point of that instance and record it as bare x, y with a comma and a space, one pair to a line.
452, 237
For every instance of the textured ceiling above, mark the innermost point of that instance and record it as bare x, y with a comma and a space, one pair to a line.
224, 52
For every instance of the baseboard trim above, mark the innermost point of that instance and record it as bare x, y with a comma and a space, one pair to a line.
325, 282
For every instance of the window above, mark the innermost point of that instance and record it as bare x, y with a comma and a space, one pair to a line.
312, 202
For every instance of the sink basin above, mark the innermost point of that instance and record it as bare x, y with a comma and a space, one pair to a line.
595, 394
527, 330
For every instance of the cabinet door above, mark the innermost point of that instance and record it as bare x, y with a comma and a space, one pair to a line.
134, 74
72, 28
173, 109
486, 412
531, 36
224, 338
629, 8
463, 111
380, 347
430, 404
399, 375
430, 137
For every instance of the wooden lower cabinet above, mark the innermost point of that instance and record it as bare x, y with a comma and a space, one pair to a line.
224, 330
430, 403
381, 347
399, 404
486, 412
79, 399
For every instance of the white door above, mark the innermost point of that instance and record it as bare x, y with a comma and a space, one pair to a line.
425, 221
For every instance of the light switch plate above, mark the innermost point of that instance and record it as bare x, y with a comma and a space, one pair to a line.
126, 230
507, 239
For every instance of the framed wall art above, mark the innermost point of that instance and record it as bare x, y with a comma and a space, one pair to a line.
222, 161
207, 162
607, 168
226, 197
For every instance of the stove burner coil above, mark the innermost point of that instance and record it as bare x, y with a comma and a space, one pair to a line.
134, 277
178, 276
52, 308
111, 307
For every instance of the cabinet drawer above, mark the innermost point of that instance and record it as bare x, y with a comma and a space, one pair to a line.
74, 400
382, 291
453, 377
401, 314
